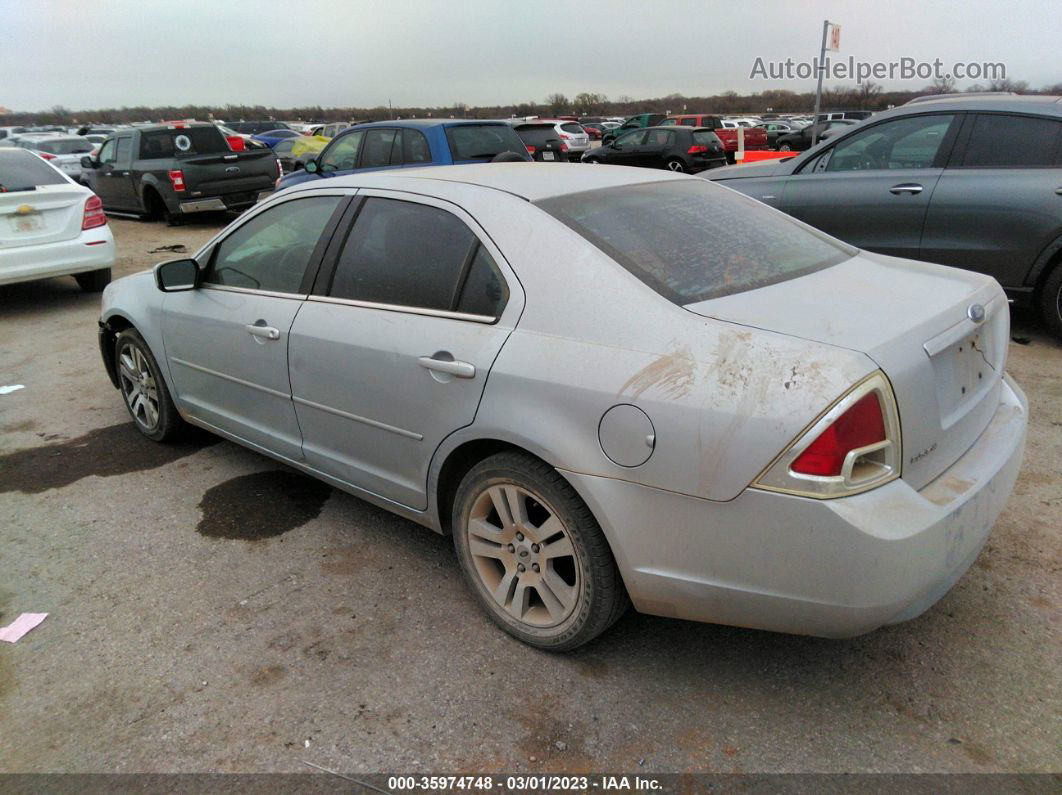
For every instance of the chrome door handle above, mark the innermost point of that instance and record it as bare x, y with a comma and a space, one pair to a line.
265, 332
907, 187
460, 369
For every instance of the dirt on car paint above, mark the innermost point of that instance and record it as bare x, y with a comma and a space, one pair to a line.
261, 505
104, 452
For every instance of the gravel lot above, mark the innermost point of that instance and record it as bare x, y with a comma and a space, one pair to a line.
210, 610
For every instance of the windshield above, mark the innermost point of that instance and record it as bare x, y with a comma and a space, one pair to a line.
483, 141
690, 240
68, 146
23, 171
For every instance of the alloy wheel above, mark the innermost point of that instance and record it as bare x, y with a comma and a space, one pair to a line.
523, 555
138, 386
675, 165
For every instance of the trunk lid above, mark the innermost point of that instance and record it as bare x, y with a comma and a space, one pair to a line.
228, 172
46, 215
911, 318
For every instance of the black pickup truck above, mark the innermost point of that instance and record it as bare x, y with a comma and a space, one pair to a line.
166, 171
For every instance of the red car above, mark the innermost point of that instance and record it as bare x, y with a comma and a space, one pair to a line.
594, 130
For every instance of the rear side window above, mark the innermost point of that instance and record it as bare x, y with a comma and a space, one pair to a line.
183, 141
272, 250
483, 141
690, 241
412, 255
377, 149
1000, 141
484, 291
659, 138
415, 147
571, 127
689, 122
705, 138
23, 171
125, 146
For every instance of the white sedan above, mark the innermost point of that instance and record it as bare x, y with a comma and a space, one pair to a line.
50, 225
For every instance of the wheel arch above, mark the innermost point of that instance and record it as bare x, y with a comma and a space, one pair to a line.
109, 331
1045, 263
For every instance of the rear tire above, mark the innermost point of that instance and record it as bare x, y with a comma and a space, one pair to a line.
676, 165
540, 567
157, 209
93, 281
1051, 300
143, 389
785, 148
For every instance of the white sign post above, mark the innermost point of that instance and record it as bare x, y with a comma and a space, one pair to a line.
835, 46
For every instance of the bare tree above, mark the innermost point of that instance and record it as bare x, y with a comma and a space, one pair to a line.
942, 85
558, 103
1006, 84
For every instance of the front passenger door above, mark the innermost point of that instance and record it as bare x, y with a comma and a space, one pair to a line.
227, 341
625, 148
873, 187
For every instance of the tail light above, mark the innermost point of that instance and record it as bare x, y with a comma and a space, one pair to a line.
46, 155
530, 149
697, 150
177, 179
852, 447
563, 147
93, 215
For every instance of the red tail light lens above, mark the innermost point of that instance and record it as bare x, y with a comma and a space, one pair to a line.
93, 216
177, 180
860, 426
530, 149
47, 155
564, 147
697, 150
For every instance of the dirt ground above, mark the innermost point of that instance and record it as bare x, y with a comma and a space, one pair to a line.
211, 610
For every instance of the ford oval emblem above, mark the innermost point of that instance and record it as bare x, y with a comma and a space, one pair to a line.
232, 170
976, 313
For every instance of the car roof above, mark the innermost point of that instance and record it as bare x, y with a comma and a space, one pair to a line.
1018, 103
425, 123
531, 181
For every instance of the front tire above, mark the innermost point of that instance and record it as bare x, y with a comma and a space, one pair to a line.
533, 554
1051, 301
93, 281
143, 389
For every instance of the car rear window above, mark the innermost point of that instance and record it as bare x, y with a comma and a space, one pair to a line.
483, 141
691, 241
537, 134
705, 138
65, 147
183, 141
20, 170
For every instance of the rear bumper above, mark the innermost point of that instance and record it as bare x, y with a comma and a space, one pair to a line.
62, 258
832, 568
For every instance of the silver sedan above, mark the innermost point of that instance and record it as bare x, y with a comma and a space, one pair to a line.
610, 386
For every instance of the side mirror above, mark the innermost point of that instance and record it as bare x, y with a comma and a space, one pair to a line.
311, 167
88, 162
177, 275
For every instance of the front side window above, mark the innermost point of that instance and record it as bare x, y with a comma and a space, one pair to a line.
633, 138
691, 241
904, 143
412, 255
377, 149
670, 122
107, 152
1001, 141
342, 154
272, 250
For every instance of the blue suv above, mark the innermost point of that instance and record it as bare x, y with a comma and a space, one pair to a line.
414, 142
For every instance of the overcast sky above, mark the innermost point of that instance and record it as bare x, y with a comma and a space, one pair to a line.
109, 53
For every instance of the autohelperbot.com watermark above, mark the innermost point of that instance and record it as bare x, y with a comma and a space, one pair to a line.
904, 68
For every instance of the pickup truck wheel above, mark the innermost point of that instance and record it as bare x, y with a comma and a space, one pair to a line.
157, 210
93, 281
1051, 300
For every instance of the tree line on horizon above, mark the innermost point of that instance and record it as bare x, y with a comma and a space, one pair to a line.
866, 96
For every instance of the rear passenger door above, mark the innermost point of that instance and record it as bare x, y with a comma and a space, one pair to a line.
652, 153
997, 205
391, 353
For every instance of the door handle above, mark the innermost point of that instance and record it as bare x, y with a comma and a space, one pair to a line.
907, 187
460, 369
265, 332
